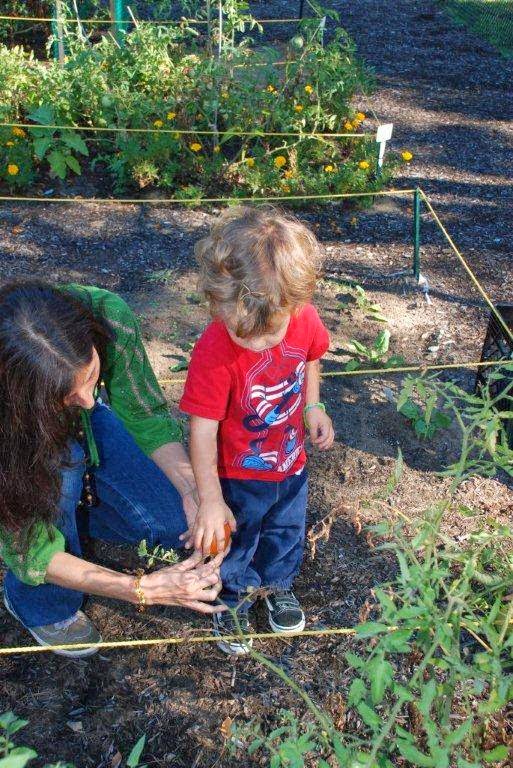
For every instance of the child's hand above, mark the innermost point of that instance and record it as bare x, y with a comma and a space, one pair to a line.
321, 429
209, 522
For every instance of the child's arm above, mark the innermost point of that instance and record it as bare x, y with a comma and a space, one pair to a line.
212, 511
319, 423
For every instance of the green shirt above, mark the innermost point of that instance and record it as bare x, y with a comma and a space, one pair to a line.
135, 397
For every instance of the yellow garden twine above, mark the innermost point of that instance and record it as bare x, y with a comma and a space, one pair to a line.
197, 200
398, 369
188, 131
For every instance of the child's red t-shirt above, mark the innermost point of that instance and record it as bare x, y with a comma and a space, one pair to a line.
258, 397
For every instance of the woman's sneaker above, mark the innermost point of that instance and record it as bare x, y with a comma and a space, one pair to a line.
285, 613
78, 629
225, 625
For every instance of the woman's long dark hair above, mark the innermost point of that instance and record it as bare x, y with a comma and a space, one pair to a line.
46, 336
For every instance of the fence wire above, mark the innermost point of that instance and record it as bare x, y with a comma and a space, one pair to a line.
491, 20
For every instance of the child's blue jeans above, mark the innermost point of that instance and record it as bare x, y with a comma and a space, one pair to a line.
137, 502
267, 548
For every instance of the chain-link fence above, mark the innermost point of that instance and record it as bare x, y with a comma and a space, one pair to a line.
491, 20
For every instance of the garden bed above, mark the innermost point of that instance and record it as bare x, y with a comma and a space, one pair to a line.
180, 696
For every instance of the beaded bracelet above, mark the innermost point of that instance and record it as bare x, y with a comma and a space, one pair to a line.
141, 597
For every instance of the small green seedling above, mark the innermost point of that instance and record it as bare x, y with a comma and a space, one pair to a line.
157, 555
372, 355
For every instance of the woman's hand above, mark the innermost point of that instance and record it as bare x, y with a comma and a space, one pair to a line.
320, 427
209, 522
192, 584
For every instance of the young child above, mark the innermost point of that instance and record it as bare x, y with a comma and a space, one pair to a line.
252, 386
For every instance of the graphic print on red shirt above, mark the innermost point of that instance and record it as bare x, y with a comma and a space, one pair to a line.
257, 397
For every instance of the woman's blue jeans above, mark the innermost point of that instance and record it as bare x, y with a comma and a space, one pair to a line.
137, 502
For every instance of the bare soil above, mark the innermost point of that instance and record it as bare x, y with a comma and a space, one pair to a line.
449, 97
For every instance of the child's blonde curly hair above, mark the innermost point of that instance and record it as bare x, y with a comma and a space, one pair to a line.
256, 265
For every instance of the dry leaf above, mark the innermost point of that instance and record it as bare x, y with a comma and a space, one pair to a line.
116, 760
226, 728
17, 230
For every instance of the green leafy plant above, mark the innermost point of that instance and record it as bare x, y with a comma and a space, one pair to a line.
479, 417
12, 756
372, 355
56, 146
166, 81
432, 666
157, 554
425, 421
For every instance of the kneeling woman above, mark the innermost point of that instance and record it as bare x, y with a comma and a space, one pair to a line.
70, 464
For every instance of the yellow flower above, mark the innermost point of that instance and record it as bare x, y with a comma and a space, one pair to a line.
329, 168
360, 116
18, 132
270, 88
9, 143
363, 165
195, 146
288, 174
158, 123
250, 161
216, 149
298, 108
12, 169
407, 156
280, 161
224, 95
286, 188
171, 115
308, 89
348, 126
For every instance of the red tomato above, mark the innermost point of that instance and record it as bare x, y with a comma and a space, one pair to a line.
214, 550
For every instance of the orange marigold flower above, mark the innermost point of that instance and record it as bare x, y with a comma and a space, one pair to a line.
250, 161
195, 146
171, 115
407, 156
363, 165
286, 188
270, 88
308, 89
13, 169
298, 108
288, 174
18, 132
348, 126
158, 123
280, 161
329, 168
361, 116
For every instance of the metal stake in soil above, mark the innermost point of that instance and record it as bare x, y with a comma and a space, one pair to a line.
416, 234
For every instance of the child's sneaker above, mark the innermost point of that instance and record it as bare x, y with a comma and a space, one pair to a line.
285, 613
224, 624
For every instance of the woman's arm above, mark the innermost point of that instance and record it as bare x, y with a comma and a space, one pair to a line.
191, 584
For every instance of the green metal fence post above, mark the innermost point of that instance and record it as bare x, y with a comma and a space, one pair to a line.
59, 52
119, 16
416, 234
